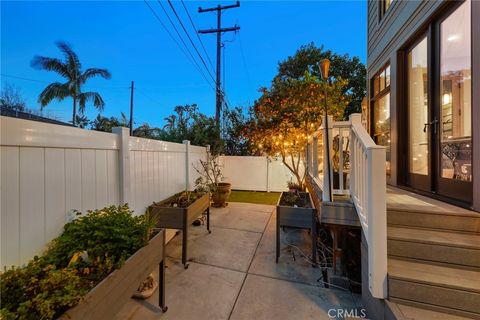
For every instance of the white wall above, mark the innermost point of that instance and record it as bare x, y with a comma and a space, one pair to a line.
256, 173
47, 170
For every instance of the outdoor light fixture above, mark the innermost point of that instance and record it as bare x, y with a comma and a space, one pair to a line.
324, 67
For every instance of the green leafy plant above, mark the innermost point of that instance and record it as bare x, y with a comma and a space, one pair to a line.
89, 249
295, 199
210, 175
294, 186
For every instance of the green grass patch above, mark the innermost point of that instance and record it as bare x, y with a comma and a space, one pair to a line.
257, 197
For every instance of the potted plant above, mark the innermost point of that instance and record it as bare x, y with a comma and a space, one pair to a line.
295, 209
179, 211
211, 180
89, 271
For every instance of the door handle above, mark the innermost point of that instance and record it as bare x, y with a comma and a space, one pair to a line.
431, 123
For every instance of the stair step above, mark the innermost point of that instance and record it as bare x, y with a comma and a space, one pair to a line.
437, 246
462, 221
454, 289
407, 310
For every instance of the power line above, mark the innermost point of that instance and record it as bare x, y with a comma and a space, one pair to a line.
22, 78
43, 81
244, 60
183, 41
196, 33
191, 41
177, 43
147, 96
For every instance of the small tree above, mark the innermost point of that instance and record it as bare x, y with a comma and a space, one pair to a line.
81, 120
288, 113
352, 69
188, 123
105, 124
11, 98
235, 142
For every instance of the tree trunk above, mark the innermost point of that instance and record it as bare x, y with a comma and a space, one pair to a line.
74, 110
294, 171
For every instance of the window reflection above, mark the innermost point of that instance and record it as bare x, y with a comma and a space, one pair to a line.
381, 114
418, 108
381, 111
455, 99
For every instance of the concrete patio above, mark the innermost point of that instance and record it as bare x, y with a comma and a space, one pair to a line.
232, 274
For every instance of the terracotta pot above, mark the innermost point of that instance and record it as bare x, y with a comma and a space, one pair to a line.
220, 196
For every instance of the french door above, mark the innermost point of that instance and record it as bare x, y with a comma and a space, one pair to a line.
439, 107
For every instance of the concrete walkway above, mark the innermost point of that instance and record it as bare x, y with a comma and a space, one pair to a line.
232, 274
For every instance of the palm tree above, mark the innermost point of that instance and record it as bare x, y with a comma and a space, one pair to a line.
171, 120
71, 69
81, 120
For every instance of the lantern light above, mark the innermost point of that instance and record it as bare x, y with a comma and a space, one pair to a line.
324, 68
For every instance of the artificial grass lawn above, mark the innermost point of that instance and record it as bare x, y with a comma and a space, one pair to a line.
257, 197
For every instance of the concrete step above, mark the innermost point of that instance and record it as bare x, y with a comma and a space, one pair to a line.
458, 249
458, 221
444, 289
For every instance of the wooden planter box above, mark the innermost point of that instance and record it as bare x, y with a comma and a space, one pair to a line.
181, 218
304, 218
110, 295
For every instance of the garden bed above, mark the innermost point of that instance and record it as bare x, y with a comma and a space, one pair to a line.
107, 298
89, 271
179, 211
295, 209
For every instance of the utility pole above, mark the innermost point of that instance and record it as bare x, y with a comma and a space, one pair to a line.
132, 88
218, 31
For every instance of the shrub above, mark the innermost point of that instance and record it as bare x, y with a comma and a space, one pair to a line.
89, 249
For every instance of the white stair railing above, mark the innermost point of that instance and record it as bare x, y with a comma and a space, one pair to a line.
368, 192
366, 184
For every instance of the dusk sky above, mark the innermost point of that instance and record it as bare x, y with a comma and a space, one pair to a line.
129, 41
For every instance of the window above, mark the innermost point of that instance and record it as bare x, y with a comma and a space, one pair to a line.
455, 95
380, 104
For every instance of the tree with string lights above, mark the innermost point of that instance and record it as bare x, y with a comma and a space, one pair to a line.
287, 114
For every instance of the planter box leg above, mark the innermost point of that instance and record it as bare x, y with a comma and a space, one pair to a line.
161, 288
184, 247
278, 238
208, 220
314, 240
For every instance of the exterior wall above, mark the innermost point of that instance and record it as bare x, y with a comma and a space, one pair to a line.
386, 39
49, 170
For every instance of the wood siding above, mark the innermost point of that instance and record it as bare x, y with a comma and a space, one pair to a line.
387, 37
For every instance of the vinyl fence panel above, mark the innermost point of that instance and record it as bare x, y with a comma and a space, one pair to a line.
48, 171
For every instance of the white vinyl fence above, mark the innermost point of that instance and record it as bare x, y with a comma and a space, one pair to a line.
256, 173
49, 170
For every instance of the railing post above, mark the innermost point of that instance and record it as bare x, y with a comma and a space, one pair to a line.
315, 157
268, 174
124, 163
377, 222
355, 119
187, 164
309, 151
327, 160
